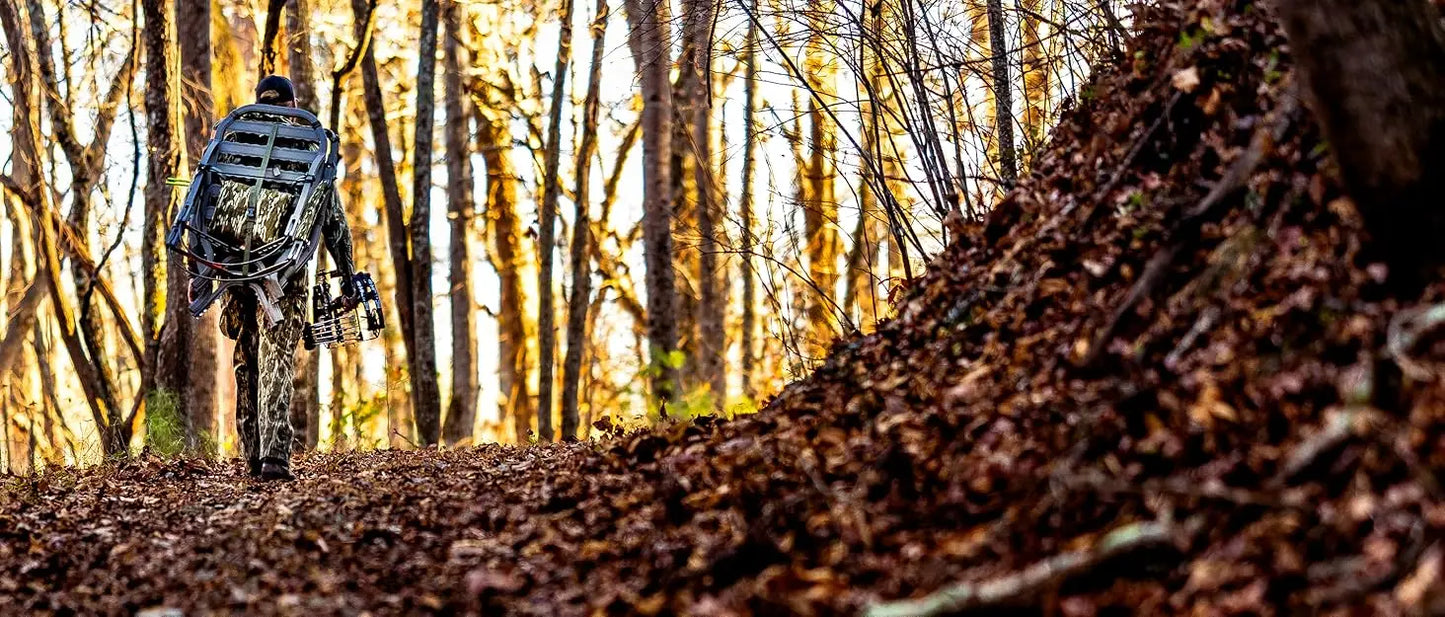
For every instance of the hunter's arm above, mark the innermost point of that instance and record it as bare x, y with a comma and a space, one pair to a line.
338, 238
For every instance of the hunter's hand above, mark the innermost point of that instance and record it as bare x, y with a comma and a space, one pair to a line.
350, 295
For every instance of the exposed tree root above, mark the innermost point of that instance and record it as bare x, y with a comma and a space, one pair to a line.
1025, 586
1405, 331
1186, 232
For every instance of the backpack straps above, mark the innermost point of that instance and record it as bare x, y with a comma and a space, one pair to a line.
255, 198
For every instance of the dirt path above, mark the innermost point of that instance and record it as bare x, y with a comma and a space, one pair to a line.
382, 532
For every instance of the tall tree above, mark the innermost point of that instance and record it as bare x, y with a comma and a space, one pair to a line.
426, 398
306, 394
1375, 74
194, 21
712, 300
1002, 94
494, 141
860, 295
547, 238
87, 162
649, 22
23, 292
745, 205
1035, 75
167, 157
578, 304
271, 30
391, 203
36, 200
462, 410
819, 178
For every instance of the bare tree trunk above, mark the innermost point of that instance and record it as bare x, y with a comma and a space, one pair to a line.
581, 230
395, 220
860, 293
87, 170
167, 156
820, 202
226, 93
23, 293
347, 382
36, 196
547, 240
495, 142
1003, 94
363, 24
268, 36
462, 411
649, 22
306, 391
745, 205
299, 54
426, 397
194, 20
712, 299
1375, 72
1035, 77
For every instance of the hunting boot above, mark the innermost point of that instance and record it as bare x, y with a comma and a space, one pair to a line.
276, 469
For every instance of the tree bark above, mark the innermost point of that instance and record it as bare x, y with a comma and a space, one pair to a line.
194, 20
306, 391
745, 206
392, 207
1375, 74
426, 397
819, 198
648, 36
1003, 94
462, 410
172, 344
495, 142
23, 293
712, 299
577, 305
547, 238
268, 36
299, 54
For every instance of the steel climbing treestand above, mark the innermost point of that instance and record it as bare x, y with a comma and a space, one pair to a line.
277, 155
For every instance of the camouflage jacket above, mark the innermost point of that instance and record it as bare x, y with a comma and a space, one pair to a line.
336, 235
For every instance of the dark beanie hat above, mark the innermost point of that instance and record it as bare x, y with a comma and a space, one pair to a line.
275, 90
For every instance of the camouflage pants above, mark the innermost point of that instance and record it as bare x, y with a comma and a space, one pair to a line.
264, 361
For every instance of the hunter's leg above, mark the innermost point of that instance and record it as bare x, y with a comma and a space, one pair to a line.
278, 365
244, 361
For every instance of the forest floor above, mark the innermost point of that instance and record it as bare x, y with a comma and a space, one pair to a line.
1163, 377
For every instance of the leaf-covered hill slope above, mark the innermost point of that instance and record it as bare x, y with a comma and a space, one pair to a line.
1151, 383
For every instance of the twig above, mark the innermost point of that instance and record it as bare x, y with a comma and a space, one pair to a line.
1192, 488
1356, 584
1339, 428
1186, 231
1101, 195
404, 438
1206, 321
1405, 331
1026, 586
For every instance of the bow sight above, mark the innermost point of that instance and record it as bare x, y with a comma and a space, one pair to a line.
344, 319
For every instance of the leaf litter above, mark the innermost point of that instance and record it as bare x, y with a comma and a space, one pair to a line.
1154, 381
